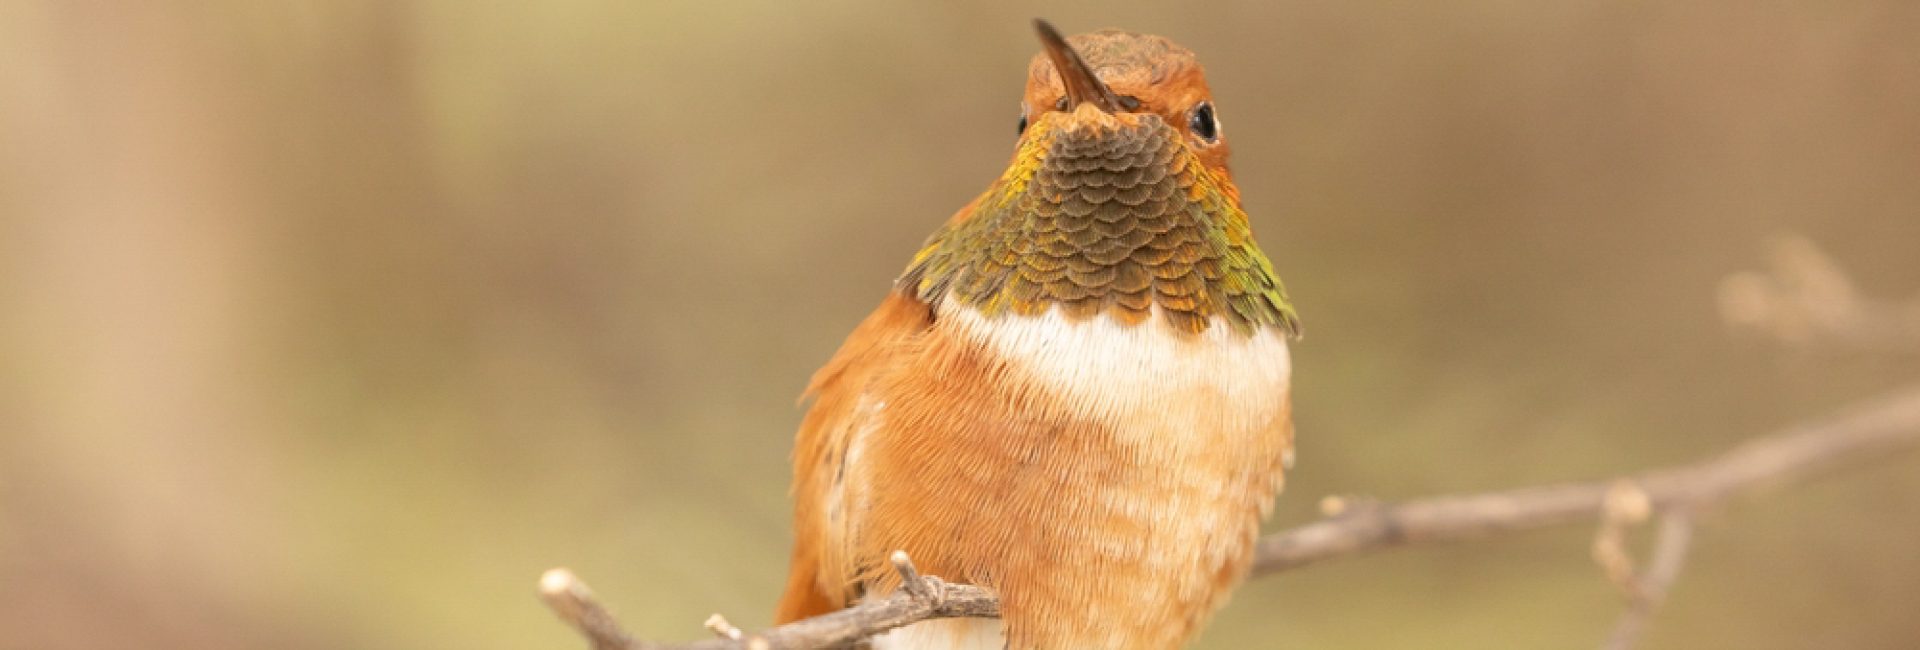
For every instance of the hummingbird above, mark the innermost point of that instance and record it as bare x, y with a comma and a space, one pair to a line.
1077, 393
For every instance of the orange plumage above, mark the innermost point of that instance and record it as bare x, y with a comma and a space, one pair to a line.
1077, 393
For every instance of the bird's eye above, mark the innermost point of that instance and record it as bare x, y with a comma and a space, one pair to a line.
1023, 120
1204, 123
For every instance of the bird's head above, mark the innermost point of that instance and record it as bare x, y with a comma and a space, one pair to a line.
1116, 84
1117, 200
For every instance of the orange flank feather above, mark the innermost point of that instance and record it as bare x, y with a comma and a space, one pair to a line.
820, 580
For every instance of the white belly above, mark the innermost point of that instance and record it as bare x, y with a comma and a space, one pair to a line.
1146, 376
945, 634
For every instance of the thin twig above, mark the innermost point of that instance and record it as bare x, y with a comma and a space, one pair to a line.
1669, 554
724, 628
1625, 506
570, 598
1805, 300
910, 580
1867, 431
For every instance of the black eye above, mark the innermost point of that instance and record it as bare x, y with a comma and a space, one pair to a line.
1023, 119
1203, 123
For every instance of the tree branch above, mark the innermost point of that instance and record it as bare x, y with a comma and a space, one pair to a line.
1864, 432
919, 598
570, 598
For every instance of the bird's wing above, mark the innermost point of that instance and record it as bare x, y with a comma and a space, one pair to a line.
822, 573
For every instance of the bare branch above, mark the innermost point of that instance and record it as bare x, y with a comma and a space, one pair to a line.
1625, 506
896, 610
920, 598
1867, 431
726, 629
1648, 591
910, 579
570, 598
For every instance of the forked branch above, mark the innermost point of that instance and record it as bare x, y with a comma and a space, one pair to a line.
919, 598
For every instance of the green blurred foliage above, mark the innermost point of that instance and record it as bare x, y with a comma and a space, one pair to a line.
333, 324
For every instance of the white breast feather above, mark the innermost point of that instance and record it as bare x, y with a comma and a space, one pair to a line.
946, 634
1115, 372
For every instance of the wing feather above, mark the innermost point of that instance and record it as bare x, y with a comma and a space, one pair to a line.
821, 578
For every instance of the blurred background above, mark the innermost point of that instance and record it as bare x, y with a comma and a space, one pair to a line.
334, 324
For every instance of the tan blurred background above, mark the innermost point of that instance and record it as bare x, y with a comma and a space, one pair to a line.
331, 325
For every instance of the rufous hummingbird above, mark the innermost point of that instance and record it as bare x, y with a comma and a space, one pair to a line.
1076, 394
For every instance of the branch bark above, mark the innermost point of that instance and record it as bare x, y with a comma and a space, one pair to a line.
919, 598
1862, 432
1866, 431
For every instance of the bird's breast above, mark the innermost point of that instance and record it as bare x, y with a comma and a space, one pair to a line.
1125, 479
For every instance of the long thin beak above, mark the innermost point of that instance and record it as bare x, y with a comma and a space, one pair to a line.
1081, 85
